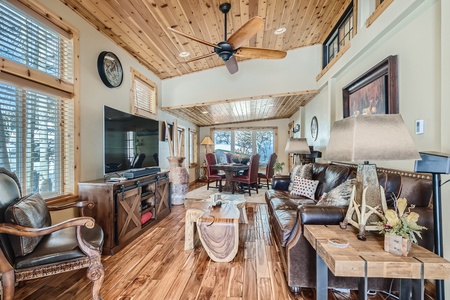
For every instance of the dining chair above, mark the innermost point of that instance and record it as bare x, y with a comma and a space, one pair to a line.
251, 178
213, 175
268, 174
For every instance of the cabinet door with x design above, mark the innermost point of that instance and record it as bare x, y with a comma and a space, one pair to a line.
128, 214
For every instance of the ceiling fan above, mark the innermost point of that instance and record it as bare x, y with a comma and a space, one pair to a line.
232, 47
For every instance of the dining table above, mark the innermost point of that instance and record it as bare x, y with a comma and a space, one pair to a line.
230, 170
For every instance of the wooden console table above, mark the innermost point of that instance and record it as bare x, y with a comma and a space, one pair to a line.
126, 209
366, 259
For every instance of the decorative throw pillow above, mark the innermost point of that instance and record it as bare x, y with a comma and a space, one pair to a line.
304, 187
28, 211
340, 195
302, 171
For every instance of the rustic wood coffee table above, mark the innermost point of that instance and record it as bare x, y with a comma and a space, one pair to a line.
218, 227
366, 259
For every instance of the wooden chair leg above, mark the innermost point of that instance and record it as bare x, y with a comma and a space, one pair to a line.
96, 273
207, 187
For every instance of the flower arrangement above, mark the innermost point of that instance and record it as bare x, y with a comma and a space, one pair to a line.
401, 222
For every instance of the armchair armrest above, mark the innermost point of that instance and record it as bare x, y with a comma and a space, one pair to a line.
14, 229
281, 182
321, 215
76, 204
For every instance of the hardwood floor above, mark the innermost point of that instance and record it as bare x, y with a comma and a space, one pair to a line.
155, 266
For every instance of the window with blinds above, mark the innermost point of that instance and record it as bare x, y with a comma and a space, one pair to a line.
144, 100
27, 41
36, 116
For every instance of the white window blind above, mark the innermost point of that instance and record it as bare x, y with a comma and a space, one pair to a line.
29, 42
36, 139
144, 96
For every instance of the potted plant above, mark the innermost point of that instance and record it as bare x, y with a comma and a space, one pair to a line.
400, 228
278, 167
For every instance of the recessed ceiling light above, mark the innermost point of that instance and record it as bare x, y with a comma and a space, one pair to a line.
204, 112
184, 54
280, 30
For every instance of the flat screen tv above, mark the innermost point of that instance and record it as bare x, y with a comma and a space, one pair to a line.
130, 141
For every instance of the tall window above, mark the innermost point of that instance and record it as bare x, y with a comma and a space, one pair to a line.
144, 100
339, 37
193, 153
245, 142
37, 112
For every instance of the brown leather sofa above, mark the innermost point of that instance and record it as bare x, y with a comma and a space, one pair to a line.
288, 214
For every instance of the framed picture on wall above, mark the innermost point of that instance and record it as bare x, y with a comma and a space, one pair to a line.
374, 92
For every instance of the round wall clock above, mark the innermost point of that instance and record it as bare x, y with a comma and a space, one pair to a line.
110, 69
314, 128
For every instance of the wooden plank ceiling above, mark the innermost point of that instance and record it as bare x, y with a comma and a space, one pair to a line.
243, 110
140, 27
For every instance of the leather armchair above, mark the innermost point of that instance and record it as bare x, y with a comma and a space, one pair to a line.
70, 245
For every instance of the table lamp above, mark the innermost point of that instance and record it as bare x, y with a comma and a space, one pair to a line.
360, 139
297, 146
207, 142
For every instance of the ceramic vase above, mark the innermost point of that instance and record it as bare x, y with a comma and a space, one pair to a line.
179, 180
397, 245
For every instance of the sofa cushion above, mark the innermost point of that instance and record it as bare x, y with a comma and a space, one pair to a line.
302, 171
304, 187
283, 204
284, 223
28, 211
329, 177
340, 195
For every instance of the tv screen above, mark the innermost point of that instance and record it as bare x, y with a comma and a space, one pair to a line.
130, 141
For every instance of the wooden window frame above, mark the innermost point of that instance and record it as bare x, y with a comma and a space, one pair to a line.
22, 75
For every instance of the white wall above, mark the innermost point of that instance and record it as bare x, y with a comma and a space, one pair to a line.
418, 69
256, 77
94, 94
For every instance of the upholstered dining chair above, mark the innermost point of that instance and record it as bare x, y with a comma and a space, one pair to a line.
31, 247
251, 178
213, 175
268, 174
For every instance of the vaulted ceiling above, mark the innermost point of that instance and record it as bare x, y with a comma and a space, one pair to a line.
141, 28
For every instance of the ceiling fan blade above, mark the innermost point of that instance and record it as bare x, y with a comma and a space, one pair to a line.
200, 57
232, 65
193, 38
250, 52
246, 32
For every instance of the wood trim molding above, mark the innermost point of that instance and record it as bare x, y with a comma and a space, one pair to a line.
378, 11
333, 61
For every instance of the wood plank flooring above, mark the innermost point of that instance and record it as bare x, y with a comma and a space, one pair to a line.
155, 266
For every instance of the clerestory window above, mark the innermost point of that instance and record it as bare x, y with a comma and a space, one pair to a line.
339, 37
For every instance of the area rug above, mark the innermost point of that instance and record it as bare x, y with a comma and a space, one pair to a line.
203, 193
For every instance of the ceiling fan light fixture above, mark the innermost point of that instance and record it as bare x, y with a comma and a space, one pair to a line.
184, 54
280, 30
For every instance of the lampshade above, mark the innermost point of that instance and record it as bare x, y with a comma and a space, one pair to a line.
207, 141
370, 137
297, 146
